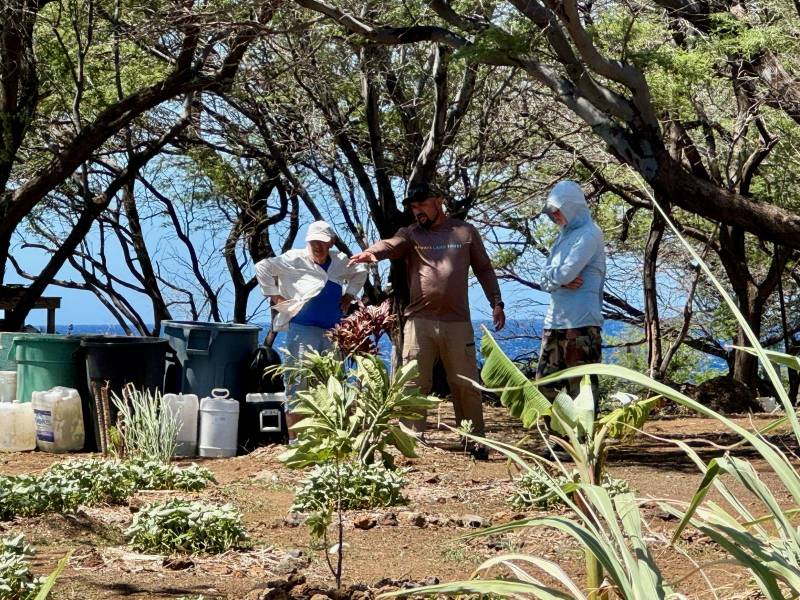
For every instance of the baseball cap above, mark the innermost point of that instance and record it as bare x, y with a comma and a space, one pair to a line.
320, 231
420, 191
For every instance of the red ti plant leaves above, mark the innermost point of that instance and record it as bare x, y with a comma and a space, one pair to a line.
361, 331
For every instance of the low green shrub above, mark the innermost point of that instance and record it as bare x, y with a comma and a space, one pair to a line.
70, 484
154, 475
67, 485
535, 488
186, 527
16, 580
63, 488
362, 486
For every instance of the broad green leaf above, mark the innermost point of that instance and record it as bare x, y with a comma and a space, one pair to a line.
623, 422
565, 416
404, 442
584, 407
523, 400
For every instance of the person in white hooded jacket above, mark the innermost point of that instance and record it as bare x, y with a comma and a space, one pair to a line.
574, 275
310, 289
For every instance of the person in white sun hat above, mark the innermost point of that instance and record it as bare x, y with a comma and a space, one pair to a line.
310, 289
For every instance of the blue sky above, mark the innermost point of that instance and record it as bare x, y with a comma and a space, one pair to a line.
83, 308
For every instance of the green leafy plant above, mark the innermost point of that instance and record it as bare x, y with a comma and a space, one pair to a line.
64, 487
357, 416
534, 487
17, 582
186, 527
67, 485
363, 486
352, 418
147, 428
608, 527
16, 579
314, 369
580, 434
154, 475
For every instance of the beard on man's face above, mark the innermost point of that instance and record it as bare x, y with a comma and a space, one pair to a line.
424, 220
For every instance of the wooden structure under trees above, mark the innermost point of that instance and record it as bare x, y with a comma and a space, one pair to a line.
10, 295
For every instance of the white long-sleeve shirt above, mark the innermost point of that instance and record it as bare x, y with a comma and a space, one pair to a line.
295, 276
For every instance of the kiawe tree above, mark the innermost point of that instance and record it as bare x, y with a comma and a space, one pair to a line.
198, 49
705, 164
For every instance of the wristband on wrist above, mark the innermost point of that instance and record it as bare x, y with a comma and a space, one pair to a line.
501, 304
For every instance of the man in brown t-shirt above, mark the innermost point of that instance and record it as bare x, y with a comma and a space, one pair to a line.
439, 252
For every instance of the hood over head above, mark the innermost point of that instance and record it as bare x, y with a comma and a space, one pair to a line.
567, 197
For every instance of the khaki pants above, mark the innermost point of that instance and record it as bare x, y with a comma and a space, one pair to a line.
453, 342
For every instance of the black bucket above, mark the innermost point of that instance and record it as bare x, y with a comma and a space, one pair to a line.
120, 360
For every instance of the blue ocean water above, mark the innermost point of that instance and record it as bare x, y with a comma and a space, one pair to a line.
519, 339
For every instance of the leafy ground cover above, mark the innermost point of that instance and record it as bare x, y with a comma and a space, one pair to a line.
69, 484
447, 496
187, 527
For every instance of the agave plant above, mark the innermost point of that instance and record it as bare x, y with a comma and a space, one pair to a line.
619, 562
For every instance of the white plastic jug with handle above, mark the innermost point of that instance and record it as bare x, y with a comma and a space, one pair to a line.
184, 409
17, 433
8, 386
59, 419
219, 424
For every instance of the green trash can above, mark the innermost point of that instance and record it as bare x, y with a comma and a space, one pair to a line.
45, 361
8, 361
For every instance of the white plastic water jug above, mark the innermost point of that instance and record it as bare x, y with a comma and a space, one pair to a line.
17, 430
8, 386
219, 424
183, 408
59, 419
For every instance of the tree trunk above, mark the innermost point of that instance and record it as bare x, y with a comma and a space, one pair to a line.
148, 278
652, 322
745, 365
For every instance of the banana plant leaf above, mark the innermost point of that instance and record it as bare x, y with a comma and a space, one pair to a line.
523, 400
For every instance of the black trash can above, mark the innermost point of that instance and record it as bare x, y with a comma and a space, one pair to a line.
120, 360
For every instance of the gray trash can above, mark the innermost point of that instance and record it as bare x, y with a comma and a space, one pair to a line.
209, 355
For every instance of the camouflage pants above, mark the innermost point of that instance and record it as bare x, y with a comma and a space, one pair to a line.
562, 348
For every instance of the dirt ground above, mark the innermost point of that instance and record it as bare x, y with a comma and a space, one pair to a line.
449, 495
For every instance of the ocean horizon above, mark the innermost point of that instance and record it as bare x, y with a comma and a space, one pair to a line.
518, 339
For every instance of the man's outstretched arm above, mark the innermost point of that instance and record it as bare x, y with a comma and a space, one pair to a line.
394, 247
